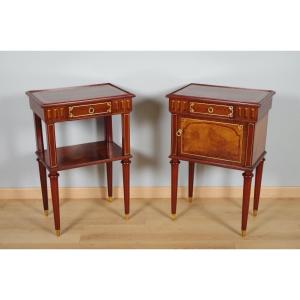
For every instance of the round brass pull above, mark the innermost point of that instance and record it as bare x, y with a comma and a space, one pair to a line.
179, 132
210, 110
91, 110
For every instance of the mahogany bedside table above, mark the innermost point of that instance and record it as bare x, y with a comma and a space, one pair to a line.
220, 126
75, 103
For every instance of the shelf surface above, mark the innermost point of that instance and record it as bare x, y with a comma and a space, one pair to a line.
75, 156
222, 92
78, 93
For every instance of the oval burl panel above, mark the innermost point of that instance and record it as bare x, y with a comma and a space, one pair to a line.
209, 139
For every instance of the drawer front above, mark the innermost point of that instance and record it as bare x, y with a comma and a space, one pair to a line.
211, 139
81, 111
211, 109
84, 110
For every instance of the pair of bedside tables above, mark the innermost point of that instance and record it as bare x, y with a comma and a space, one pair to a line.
215, 125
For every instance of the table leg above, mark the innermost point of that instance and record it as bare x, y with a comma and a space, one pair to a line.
126, 185
191, 180
43, 179
55, 200
174, 186
53, 175
109, 169
126, 162
42, 169
257, 186
246, 197
109, 174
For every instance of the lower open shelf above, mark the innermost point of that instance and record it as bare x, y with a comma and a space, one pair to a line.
75, 156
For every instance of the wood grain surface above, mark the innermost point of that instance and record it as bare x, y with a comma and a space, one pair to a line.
97, 223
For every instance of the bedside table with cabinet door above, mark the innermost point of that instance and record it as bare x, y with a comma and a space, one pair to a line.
220, 126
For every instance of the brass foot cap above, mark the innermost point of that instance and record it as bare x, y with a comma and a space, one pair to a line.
190, 199
255, 212
173, 217
126, 217
46, 212
57, 232
244, 232
109, 199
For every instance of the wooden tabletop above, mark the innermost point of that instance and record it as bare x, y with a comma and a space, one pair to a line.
222, 93
77, 93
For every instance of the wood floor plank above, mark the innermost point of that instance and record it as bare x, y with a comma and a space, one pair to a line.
212, 223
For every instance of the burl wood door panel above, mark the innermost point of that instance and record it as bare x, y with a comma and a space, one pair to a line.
210, 139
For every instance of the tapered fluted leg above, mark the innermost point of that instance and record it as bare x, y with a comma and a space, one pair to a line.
246, 197
257, 187
43, 179
126, 162
55, 200
191, 180
174, 186
53, 175
109, 173
126, 184
109, 169
42, 169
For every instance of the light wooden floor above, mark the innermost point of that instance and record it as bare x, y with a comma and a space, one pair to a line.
96, 223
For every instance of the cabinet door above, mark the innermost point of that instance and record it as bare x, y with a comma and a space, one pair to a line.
211, 139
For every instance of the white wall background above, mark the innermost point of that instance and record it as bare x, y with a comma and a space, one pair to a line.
149, 75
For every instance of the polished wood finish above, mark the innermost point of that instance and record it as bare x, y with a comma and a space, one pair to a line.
257, 187
69, 157
220, 126
211, 109
212, 140
55, 200
259, 139
74, 103
209, 223
191, 179
174, 185
125, 134
78, 94
246, 199
38, 133
84, 110
126, 162
52, 153
43, 180
126, 184
109, 165
84, 102
241, 104
223, 93
109, 176
42, 169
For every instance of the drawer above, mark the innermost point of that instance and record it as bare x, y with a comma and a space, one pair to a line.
79, 111
82, 111
205, 139
211, 109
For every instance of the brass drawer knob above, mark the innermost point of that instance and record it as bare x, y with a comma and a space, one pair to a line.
179, 132
210, 109
91, 110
